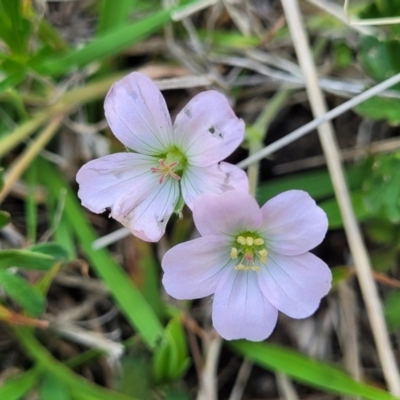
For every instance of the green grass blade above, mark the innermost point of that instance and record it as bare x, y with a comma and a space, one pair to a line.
25, 259
317, 183
112, 17
131, 302
53, 389
76, 383
27, 296
15, 388
306, 370
105, 46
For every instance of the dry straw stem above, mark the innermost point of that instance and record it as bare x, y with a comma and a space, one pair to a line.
356, 244
22, 163
208, 381
337, 12
307, 128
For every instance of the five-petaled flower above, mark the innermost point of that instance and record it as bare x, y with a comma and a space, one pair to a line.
167, 165
255, 261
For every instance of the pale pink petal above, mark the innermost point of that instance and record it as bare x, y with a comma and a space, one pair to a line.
192, 269
146, 212
295, 285
228, 214
103, 181
240, 310
138, 116
293, 223
215, 179
207, 130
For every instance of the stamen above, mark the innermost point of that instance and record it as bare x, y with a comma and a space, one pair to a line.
258, 241
255, 268
241, 240
263, 255
166, 170
249, 241
234, 253
240, 267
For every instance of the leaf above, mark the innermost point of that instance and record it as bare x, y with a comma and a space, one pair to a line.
332, 210
317, 183
382, 9
306, 370
5, 218
378, 108
379, 58
171, 359
381, 188
25, 259
27, 296
15, 388
52, 388
15, 29
392, 310
111, 17
54, 250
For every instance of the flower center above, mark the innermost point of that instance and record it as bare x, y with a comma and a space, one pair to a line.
171, 164
250, 252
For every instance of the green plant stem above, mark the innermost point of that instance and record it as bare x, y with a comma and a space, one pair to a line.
259, 131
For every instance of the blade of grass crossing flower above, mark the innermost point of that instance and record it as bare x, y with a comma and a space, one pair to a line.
131, 302
15, 388
75, 383
306, 370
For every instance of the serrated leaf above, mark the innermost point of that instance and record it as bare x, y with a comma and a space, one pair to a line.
27, 296
25, 259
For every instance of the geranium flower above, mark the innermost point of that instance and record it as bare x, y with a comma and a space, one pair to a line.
167, 165
255, 261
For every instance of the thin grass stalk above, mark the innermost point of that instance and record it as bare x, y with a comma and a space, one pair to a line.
354, 237
21, 164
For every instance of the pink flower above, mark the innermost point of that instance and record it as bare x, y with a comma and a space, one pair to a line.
167, 165
255, 261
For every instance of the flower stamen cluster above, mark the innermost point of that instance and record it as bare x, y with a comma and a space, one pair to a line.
250, 252
166, 170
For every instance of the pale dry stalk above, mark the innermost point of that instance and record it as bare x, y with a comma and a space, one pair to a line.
332, 154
